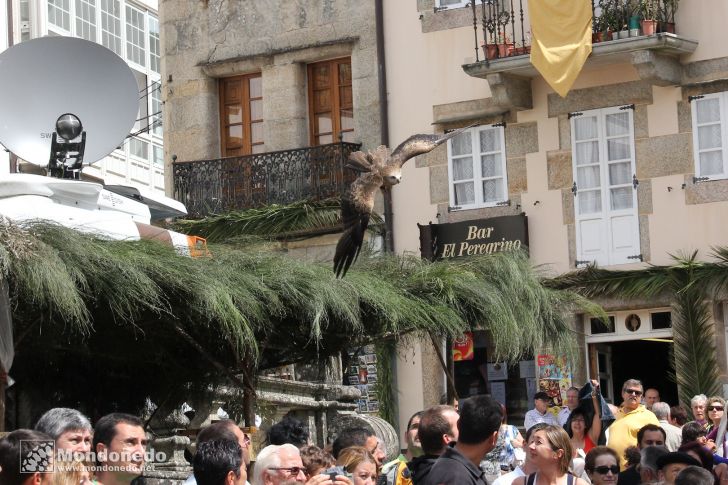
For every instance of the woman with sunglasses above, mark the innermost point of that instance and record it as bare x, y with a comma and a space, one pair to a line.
549, 450
602, 465
715, 408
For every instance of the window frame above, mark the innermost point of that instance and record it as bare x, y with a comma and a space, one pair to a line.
460, 4
152, 96
606, 214
722, 98
246, 116
477, 169
336, 105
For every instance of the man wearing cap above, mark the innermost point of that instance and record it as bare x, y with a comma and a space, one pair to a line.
671, 464
540, 413
631, 417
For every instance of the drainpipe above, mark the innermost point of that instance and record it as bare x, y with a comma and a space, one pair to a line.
384, 121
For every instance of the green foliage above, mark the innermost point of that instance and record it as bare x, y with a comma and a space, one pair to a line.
122, 304
689, 283
385, 383
272, 221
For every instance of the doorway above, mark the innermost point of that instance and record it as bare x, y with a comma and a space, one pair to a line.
648, 360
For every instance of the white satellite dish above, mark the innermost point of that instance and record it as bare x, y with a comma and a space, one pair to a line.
42, 79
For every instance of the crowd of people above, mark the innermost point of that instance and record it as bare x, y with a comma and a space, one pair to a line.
588, 441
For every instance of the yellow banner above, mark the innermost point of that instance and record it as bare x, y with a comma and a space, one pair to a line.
560, 40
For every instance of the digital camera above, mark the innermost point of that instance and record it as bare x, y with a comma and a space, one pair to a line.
334, 471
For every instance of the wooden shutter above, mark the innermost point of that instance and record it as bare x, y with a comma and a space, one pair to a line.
241, 115
331, 108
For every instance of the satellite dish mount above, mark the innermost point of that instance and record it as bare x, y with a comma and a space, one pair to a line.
67, 147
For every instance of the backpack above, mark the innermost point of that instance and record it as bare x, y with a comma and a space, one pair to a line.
395, 473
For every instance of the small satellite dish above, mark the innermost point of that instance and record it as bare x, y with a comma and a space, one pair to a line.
46, 78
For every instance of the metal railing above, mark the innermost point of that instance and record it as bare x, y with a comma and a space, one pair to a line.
502, 29
282, 177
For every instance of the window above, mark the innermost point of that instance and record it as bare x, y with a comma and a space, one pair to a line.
477, 168
154, 44
607, 229
158, 155
138, 148
709, 135
331, 108
156, 118
59, 14
597, 326
111, 25
241, 115
135, 36
661, 320
86, 19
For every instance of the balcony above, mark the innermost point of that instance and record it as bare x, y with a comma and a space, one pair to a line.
236, 183
501, 30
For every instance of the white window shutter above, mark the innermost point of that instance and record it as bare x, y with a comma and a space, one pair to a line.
477, 174
709, 138
607, 225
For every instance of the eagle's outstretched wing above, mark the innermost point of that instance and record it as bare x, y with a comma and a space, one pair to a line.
356, 220
419, 144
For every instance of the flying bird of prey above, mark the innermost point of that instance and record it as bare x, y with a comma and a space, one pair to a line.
378, 169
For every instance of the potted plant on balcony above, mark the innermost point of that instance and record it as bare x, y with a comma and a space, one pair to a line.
667, 14
490, 50
609, 19
648, 8
632, 11
505, 46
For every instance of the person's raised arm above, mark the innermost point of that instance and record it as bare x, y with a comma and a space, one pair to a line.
596, 426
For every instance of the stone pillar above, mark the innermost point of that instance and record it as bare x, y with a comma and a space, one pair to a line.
382, 429
175, 468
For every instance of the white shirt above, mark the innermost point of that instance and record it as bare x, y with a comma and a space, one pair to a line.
563, 416
673, 435
534, 417
510, 477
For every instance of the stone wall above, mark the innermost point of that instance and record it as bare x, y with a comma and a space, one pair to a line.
208, 40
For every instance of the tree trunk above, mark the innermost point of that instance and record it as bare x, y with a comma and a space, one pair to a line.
3, 385
249, 396
452, 394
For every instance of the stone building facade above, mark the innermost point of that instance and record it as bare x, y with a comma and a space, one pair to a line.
666, 89
204, 42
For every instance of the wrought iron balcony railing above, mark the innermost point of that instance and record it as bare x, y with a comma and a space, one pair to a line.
502, 28
282, 177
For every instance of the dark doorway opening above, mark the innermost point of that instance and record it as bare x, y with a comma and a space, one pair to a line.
646, 360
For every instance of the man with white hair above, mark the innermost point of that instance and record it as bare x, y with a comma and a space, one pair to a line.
673, 435
278, 463
698, 404
282, 465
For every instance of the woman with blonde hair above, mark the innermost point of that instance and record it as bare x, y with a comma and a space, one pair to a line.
715, 409
549, 450
360, 463
74, 472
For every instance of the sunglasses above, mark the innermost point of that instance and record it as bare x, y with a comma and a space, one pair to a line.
293, 470
635, 392
715, 408
603, 470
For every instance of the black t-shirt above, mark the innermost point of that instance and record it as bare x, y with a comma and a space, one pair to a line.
452, 468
